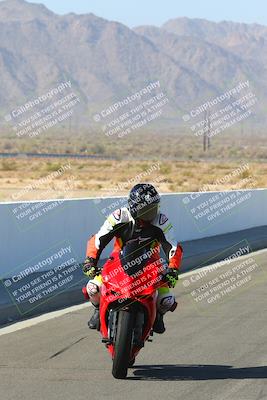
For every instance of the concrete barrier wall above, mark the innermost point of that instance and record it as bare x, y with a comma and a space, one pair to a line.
42, 243
28, 230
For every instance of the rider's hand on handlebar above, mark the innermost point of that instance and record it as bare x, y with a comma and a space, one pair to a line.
171, 276
89, 267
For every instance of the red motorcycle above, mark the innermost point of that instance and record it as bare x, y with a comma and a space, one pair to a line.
128, 304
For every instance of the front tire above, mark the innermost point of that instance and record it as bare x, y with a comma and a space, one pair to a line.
123, 344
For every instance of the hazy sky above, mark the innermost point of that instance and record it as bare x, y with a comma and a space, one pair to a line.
156, 12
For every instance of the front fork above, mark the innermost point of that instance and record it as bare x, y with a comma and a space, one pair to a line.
138, 328
112, 325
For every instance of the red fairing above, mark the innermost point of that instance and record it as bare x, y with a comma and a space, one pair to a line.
118, 285
176, 259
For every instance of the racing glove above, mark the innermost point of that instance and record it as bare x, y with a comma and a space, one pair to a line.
171, 276
89, 267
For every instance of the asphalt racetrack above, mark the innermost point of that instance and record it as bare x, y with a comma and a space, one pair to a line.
214, 348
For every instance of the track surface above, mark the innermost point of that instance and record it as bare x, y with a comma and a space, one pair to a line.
218, 353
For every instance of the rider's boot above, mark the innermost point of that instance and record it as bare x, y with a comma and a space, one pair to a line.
159, 326
93, 322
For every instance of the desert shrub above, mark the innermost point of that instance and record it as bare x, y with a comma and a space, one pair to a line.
8, 165
52, 167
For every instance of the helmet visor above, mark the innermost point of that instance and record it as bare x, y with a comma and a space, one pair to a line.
148, 212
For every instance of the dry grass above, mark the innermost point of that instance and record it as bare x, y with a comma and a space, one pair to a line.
86, 178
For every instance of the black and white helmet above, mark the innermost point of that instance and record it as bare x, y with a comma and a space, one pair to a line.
144, 202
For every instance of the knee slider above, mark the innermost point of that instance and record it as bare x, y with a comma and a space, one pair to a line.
92, 289
166, 303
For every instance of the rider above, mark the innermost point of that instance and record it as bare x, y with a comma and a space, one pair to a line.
142, 221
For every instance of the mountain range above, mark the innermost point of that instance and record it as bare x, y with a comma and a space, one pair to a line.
193, 59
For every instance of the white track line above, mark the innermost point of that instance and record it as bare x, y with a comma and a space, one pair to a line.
42, 318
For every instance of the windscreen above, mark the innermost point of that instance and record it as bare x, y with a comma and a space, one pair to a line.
135, 256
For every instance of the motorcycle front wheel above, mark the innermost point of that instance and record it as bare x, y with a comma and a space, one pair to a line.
123, 344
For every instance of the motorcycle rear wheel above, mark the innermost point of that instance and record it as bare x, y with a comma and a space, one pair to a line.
123, 344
